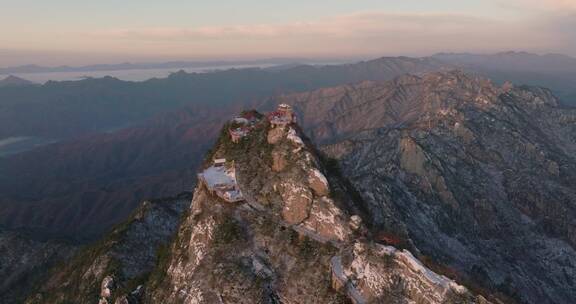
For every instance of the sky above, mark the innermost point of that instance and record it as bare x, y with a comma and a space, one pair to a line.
108, 31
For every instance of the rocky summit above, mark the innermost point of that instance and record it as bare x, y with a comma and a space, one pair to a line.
296, 236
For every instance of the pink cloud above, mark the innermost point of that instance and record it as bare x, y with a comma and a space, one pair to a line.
338, 26
359, 33
550, 5
262, 31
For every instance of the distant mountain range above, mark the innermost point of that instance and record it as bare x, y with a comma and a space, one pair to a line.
33, 68
59, 110
52, 190
68, 109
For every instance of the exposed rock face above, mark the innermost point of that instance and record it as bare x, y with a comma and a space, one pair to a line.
381, 274
297, 202
479, 177
113, 270
275, 135
281, 244
318, 183
328, 220
106, 289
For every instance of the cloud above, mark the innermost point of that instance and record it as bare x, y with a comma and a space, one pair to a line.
352, 34
540, 5
368, 32
202, 33
563, 28
498, 25
339, 26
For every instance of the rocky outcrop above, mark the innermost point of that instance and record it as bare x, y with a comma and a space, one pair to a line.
275, 135
106, 290
297, 202
318, 183
373, 273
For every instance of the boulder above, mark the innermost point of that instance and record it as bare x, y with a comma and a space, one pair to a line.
297, 203
355, 222
318, 182
275, 135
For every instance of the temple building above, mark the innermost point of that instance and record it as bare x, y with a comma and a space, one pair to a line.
236, 134
220, 180
241, 126
283, 116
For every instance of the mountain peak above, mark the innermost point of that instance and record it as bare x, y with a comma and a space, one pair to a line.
297, 234
14, 81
